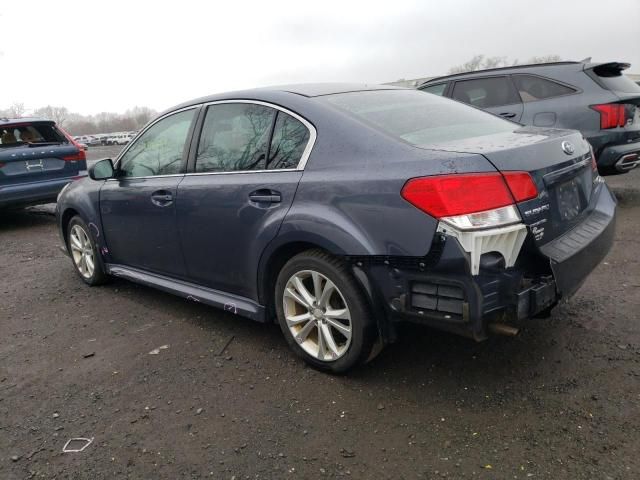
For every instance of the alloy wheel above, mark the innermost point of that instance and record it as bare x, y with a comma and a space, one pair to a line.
82, 251
317, 315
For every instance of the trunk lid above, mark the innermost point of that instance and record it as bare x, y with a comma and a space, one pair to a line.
560, 163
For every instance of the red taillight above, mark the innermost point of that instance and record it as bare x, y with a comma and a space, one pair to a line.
521, 185
450, 195
75, 157
612, 115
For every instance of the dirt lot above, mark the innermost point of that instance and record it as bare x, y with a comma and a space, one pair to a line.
560, 401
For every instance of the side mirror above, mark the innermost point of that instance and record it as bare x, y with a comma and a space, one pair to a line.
101, 170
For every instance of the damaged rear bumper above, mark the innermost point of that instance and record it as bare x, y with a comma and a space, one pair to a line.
440, 290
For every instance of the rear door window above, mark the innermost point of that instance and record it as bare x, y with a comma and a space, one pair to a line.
289, 141
235, 137
435, 89
532, 88
486, 92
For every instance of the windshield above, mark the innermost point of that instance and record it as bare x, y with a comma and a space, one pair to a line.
418, 118
18, 134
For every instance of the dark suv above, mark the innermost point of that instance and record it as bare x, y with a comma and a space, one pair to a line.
595, 98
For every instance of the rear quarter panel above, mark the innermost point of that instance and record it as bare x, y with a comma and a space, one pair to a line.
348, 200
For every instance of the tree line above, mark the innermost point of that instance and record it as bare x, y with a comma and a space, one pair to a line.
78, 124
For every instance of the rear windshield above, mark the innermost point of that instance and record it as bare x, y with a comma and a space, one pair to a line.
621, 83
614, 80
13, 135
418, 117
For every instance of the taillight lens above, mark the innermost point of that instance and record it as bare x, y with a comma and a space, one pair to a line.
497, 217
521, 185
472, 200
612, 115
75, 157
451, 195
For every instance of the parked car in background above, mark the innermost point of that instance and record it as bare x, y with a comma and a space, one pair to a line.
343, 209
595, 98
37, 159
118, 139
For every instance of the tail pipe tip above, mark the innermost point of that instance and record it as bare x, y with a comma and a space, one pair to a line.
503, 329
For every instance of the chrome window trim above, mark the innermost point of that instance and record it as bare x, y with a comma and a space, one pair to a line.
313, 135
305, 154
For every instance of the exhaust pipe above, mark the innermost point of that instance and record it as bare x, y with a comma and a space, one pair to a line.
503, 329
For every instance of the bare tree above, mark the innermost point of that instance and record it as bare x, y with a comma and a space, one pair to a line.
545, 59
16, 110
57, 114
77, 124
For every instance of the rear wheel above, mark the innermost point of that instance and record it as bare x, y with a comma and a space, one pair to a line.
84, 252
322, 312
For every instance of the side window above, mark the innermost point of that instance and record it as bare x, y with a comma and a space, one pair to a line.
159, 150
290, 137
532, 88
235, 137
435, 89
486, 92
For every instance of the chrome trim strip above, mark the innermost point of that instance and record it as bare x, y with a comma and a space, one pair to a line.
313, 135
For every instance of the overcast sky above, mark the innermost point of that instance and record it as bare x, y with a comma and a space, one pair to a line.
94, 56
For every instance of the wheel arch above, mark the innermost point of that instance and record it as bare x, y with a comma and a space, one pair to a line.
65, 218
279, 254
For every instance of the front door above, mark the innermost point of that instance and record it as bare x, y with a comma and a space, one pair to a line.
245, 176
138, 207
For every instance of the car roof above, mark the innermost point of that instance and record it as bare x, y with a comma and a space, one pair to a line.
5, 120
308, 90
500, 69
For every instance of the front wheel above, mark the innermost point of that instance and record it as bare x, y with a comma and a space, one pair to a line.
325, 317
84, 252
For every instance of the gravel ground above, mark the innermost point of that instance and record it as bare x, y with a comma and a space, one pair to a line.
226, 399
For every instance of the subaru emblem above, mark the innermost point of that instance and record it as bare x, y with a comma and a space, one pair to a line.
568, 148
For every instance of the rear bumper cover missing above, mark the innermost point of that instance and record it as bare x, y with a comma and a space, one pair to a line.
439, 290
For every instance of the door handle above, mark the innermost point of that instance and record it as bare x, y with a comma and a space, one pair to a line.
162, 198
265, 196
507, 114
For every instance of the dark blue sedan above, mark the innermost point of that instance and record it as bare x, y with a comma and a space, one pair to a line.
341, 210
37, 159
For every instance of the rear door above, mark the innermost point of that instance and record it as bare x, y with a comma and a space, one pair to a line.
494, 94
245, 171
37, 151
547, 103
138, 206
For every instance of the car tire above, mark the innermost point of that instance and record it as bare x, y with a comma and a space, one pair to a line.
329, 324
84, 253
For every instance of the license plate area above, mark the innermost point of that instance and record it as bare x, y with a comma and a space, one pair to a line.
569, 199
